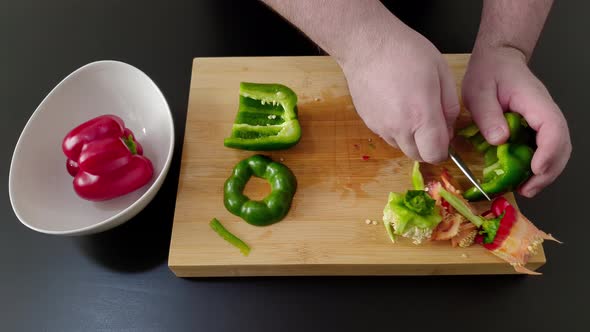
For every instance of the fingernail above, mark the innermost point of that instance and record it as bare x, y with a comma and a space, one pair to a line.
495, 134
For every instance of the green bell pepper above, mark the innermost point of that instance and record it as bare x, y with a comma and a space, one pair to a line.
273, 207
506, 166
512, 168
266, 119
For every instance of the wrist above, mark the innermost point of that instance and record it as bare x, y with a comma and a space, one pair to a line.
512, 25
366, 40
500, 50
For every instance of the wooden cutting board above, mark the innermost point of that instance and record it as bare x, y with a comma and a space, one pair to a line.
325, 232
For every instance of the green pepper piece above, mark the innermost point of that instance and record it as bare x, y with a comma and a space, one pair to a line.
479, 142
273, 207
520, 131
514, 121
229, 237
472, 134
511, 169
417, 178
266, 118
468, 131
490, 156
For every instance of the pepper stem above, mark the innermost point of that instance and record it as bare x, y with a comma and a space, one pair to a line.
130, 143
461, 207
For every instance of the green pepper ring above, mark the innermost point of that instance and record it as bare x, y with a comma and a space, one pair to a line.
273, 207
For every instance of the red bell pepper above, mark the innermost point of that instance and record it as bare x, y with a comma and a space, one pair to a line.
105, 159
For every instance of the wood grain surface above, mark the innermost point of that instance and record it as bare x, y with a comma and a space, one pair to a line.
325, 232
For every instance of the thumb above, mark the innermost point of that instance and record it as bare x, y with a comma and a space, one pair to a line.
487, 112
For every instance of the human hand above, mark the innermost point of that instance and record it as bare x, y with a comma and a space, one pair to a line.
404, 91
497, 80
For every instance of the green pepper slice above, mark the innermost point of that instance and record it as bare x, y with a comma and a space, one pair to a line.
266, 119
273, 207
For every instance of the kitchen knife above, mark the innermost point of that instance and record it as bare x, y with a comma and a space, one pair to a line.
463, 167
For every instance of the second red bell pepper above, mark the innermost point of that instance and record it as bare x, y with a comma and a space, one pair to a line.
105, 159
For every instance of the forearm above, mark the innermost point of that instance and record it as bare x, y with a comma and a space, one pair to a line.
340, 26
512, 24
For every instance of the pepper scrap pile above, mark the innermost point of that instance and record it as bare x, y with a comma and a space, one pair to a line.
438, 212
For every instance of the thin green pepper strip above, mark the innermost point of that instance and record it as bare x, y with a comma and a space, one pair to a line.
506, 166
229, 237
273, 207
266, 119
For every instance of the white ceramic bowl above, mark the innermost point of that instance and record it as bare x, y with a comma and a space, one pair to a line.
40, 188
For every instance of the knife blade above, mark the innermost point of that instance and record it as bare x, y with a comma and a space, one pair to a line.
463, 167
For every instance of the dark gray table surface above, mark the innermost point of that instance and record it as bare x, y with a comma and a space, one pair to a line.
119, 280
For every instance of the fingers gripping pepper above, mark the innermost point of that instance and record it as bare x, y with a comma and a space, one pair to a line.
266, 119
272, 208
520, 132
506, 166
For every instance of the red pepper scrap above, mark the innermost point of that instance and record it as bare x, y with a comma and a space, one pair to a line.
365, 157
105, 159
517, 238
501, 206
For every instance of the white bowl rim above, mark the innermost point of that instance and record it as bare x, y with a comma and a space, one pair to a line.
155, 184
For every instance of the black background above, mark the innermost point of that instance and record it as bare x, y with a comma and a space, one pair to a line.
119, 280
